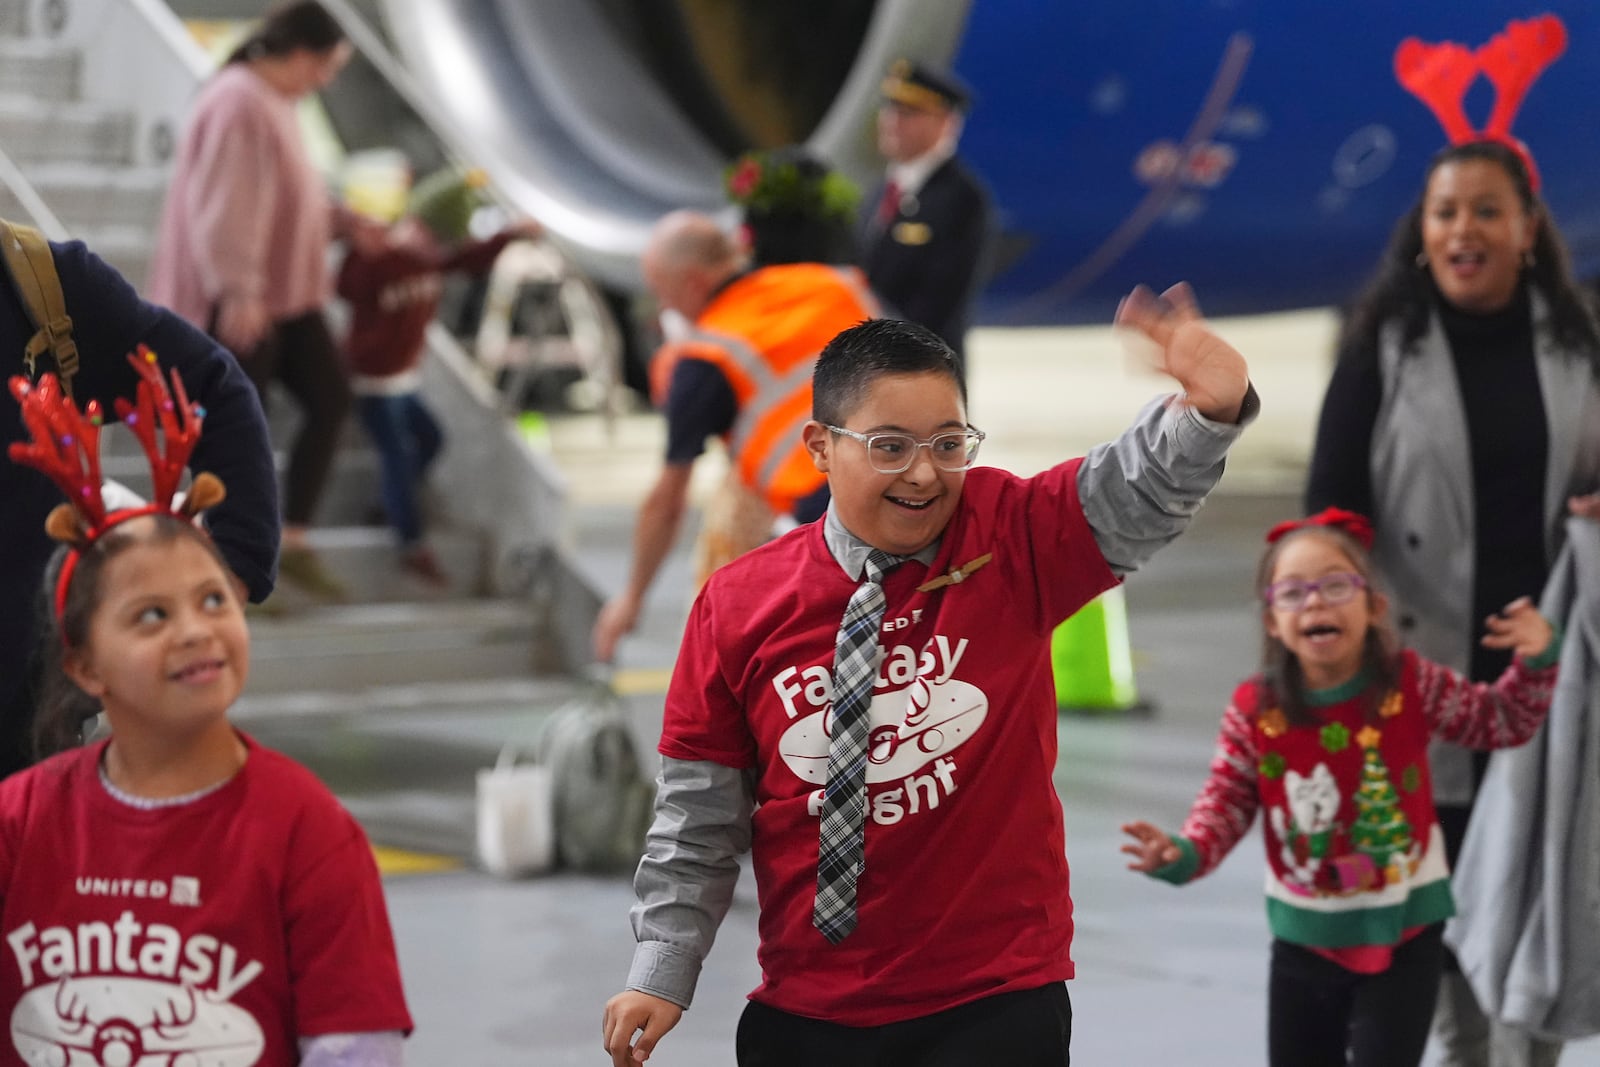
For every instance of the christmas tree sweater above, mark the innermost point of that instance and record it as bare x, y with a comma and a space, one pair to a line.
1355, 855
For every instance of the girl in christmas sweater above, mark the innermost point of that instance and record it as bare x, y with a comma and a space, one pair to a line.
1331, 740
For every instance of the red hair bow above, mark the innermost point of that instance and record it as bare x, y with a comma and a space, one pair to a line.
1353, 523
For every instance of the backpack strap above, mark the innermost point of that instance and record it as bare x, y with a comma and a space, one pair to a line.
32, 268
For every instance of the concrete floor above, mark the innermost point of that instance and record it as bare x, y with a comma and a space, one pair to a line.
517, 973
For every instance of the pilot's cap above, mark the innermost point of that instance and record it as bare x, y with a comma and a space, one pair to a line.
919, 86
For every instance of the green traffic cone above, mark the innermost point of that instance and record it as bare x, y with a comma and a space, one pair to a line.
534, 430
1092, 660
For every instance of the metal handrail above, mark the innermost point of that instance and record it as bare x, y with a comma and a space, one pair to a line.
38, 211
522, 512
370, 44
169, 30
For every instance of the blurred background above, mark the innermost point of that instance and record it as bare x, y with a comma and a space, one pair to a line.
1260, 151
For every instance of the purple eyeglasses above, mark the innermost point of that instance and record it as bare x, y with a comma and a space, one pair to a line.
1291, 593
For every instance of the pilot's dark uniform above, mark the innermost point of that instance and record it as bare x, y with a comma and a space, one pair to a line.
925, 247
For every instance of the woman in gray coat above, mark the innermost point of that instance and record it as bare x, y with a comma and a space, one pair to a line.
1463, 416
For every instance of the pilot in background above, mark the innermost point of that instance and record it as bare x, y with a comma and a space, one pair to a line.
926, 231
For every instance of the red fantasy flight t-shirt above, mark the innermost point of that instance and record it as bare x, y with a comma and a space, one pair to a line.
216, 932
965, 890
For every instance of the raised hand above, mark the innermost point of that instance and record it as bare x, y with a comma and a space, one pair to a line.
1519, 627
617, 619
1212, 372
1150, 848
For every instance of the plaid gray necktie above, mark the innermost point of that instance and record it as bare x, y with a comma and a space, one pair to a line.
844, 805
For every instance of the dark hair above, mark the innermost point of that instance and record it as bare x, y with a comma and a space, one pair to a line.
290, 27
1399, 289
1281, 677
806, 216
859, 356
63, 707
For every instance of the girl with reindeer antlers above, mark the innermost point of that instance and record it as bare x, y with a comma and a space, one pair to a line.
177, 890
1464, 416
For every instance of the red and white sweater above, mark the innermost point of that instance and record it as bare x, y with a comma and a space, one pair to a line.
1355, 857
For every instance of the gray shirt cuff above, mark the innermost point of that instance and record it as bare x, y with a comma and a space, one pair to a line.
664, 971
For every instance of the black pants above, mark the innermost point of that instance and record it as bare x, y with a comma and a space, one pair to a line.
301, 353
1029, 1028
1321, 1015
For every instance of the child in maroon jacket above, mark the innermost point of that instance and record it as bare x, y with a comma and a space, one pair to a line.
393, 290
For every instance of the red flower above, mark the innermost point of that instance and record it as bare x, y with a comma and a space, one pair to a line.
744, 179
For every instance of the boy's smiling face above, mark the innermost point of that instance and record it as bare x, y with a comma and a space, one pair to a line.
898, 513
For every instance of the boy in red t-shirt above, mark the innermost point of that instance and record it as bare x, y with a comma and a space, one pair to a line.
892, 776
394, 289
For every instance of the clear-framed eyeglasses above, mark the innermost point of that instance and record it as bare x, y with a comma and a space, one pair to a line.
1291, 594
893, 453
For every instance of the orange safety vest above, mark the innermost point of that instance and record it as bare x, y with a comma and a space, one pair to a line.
764, 333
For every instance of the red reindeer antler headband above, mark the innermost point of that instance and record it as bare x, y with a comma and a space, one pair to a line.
66, 447
1353, 523
1440, 74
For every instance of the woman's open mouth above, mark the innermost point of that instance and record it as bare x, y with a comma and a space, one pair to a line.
1467, 264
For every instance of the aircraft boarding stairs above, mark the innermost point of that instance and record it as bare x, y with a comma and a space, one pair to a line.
79, 150
404, 681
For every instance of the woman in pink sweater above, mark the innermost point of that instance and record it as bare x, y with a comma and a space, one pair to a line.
244, 237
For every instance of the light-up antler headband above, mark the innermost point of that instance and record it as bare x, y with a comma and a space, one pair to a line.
66, 447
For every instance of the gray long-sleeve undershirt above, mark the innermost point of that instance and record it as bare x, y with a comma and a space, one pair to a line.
1138, 493
379, 1048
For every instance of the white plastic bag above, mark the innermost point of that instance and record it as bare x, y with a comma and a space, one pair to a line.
516, 817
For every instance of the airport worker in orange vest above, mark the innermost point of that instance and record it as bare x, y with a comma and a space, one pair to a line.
742, 373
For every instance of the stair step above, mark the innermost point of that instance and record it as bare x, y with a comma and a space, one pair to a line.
355, 625
351, 497
87, 198
352, 648
408, 774
126, 248
420, 820
447, 707
70, 132
40, 69
366, 560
